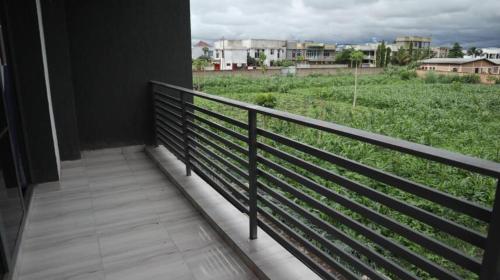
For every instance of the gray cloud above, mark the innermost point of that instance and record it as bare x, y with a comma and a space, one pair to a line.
469, 22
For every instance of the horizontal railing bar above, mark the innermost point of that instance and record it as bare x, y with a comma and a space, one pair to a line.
361, 248
173, 144
444, 199
225, 182
176, 130
220, 128
382, 241
227, 101
167, 118
171, 148
219, 138
169, 134
230, 196
298, 253
450, 227
362, 267
401, 229
167, 103
227, 153
166, 95
218, 116
163, 109
230, 167
484, 167
168, 127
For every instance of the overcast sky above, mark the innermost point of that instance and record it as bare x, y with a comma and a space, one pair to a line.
472, 23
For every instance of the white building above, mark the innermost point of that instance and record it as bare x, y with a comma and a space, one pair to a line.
202, 49
275, 50
233, 54
491, 53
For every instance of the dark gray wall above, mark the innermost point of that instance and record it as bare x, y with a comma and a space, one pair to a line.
30, 88
61, 79
116, 47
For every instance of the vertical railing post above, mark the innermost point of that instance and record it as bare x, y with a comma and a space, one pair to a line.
252, 171
155, 125
185, 133
490, 268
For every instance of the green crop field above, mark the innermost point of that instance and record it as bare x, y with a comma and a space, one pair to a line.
455, 116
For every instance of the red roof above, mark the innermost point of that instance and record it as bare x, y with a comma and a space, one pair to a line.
202, 44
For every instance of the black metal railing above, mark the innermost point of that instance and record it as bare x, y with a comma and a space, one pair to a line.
283, 193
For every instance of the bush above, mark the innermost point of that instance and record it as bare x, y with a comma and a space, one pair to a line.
456, 86
266, 100
471, 79
431, 77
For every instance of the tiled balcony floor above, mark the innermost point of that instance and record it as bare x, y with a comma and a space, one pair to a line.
114, 215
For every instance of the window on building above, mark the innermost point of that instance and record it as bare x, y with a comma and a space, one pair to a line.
278, 53
326, 53
217, 54
222, 53
256, 54
272, 51
454, 69
228, 64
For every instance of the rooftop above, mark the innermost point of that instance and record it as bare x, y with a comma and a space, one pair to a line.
202, 44
453, 60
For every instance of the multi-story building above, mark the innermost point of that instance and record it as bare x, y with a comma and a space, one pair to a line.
417, 42
234, 54
202, 49
311, 52
440, 52
491, 53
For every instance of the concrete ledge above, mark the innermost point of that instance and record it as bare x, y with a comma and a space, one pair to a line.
266, 257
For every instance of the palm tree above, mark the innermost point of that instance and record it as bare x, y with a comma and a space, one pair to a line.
205, 51
356, 59
474, 52
402, 57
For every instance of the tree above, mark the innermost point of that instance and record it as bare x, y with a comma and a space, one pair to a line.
402, 57
205, 51
388, 52
356, 59
344, 56
456, 51
251, 61
378, 56
382, 54
262, 60
475, 52
200, 64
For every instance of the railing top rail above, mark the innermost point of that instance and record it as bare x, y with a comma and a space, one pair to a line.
485, 167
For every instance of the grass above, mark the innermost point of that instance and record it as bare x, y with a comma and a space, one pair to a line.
455, 116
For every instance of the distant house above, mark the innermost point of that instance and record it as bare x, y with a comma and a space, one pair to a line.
416, 42
491, 53
311, 52
202, 48
440, 52
461, 65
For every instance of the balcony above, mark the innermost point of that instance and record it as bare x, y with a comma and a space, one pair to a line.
278, 182
203, 187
